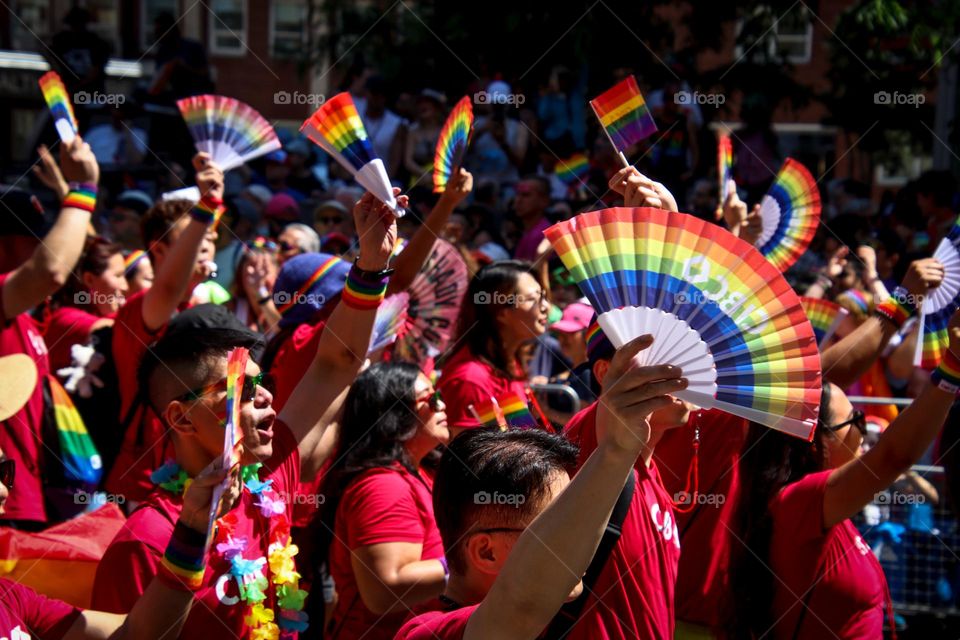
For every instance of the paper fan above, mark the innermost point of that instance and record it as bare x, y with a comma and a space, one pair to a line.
232, 434
940, 303
452, 143
391, 316
715, 307
436, 294
229, 130
337, 129
725, 167
825, 317
58, 100
574, 169
790, 214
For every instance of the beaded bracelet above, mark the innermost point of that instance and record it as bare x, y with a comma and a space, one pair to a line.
947, 375
208, 210
898, 308
81, 196
183, 563
361, 293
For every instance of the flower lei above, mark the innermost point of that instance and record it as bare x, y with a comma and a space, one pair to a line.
250, 576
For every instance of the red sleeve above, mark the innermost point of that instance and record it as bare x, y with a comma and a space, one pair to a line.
798, 509
123, 575
437, 625
380, 507
464, 386
43, 617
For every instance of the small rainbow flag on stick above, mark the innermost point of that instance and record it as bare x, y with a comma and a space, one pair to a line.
452, 144
58, 100
624, 116
232, 434
725, 167
574, 169
489, 414
516, 412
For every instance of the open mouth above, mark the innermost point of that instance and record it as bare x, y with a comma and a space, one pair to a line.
265, 429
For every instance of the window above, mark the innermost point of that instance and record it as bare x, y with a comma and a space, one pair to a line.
793, 36
149, 10
763, 36
30, 28
287, 19
228, 27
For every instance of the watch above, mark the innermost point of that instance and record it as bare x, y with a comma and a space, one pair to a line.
371, 275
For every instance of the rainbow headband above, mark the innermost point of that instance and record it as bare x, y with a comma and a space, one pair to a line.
132, 260
858, 299
321, 271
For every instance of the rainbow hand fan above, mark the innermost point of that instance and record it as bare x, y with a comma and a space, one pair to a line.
229, 130
391, 316
232, 433
725, 167
940, 303
452, 143
337, 129
58, 100
825, 317
436, 294
790, 214
573, 170
715, 307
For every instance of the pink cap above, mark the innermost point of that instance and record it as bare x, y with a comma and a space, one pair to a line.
283, 207
576, 317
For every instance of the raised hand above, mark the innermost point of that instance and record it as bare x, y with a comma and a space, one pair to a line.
376, 226
921, 276
78, 163
48, 172
209, 176
458, 188
199, 493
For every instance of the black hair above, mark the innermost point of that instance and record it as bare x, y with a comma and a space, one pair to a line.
940, 185
95, 259
482, 462
770, 460
542, 182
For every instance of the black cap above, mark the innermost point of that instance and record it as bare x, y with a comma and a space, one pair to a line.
192, 323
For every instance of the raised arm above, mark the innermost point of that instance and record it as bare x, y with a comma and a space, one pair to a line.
342, 349
55, 257
833, 269
640, 191
172, 279
550, 557
408, 263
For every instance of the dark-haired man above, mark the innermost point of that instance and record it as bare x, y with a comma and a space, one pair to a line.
530, 204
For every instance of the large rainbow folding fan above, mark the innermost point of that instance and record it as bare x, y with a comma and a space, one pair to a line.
825, 317
790, 214
230, 131
452, 143
715, 307
940, 303
58, 101
337, 129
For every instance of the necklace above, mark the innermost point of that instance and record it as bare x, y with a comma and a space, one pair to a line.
282, 588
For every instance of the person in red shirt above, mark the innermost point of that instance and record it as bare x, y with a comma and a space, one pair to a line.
519, 534
384, 550
505, 307
801, 569
530, 204
250, 587
30, 270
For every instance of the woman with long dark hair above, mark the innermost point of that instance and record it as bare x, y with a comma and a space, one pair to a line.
505, 307
382, 544
801, 569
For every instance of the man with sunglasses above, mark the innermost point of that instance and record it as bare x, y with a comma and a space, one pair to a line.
185, 375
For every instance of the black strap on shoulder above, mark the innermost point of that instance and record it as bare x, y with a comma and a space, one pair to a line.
569, 613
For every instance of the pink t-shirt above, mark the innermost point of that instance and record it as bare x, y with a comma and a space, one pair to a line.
467, 380
26, 614
21, 433
64, 328
847, 601
527, 246
381, 505
437, 625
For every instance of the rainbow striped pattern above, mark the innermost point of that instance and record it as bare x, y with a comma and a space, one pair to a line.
452, 143
81, 460
516, 412
940, 303
229, 130
490, 414
856, 302
947, 374
81, 196
574, 169
207, 211
321, 271
751, 322
362, 294
624, 114
790, 211
724, 166
183, 566
391, 316
898, 307
825, 317
233, 436
131, 261
58, 101
341, 132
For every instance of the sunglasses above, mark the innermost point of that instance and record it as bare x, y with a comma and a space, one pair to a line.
858, 421
8, 469
247, 393
434, 401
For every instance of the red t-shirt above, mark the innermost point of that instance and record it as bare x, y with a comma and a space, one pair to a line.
26, 614
64, 328
381, 505
467, 380
131, 560
20, 434
437, 625
145, 446
703, 581
848, 599
634, 594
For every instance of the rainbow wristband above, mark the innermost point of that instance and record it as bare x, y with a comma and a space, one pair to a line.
898, 308
363, 294
183, 563
947, 375
81, 196
207, 211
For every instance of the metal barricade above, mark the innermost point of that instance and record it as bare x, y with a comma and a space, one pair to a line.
566, 390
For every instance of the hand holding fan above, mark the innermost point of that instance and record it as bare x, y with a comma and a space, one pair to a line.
725, 167
391, 315
452, 143
58, 101
337, 129
229, 130
825, 317
232, 434
790, 214
624, 116
940, 303
715, 307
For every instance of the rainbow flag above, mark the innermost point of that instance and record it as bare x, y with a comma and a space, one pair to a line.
61, 562
232, 435
58, 100
624, 114
574, 169
489, 414
724, 166
81, 460
516, 412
